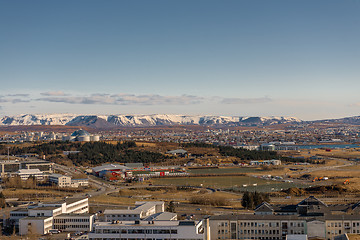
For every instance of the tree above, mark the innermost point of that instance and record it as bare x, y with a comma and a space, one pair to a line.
251, 200
247, 200
171, 207
2, 200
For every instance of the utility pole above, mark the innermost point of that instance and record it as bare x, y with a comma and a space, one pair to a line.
8, 153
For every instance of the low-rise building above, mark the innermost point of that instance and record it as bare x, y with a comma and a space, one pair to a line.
24, 174
266, 162
72, 222
60, 180
142, 210
126, 230
310, 217
41, 218
67, 181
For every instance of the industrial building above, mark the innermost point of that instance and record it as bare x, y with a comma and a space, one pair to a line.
81, 136
12, 166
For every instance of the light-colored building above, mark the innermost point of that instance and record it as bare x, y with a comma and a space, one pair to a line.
80, 182
126, 230
67, 181
35, 225
310, 217
266, 162
13, 166
60, 180
142, 210
41, 218
72, 222
24, 174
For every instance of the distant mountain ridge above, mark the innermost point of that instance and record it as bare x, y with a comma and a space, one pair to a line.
110, 121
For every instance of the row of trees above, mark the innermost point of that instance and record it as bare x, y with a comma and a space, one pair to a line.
252, 199
16, 182
93, 153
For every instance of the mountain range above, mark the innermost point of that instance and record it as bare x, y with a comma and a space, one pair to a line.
110, 121
113, 121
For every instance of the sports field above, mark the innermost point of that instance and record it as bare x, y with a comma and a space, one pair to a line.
223, 182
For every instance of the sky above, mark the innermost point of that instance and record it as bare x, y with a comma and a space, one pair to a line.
233, 58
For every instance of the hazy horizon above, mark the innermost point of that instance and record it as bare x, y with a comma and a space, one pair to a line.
235, 58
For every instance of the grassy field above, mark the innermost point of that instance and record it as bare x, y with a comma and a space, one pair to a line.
226, 182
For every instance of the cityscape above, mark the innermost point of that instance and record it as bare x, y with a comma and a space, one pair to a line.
179, 120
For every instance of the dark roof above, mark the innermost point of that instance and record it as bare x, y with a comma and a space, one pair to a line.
264, 207
311, 201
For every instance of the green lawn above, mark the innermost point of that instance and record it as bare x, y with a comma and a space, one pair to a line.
226, 182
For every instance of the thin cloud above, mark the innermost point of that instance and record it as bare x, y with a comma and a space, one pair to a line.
245, 100
13, 100
126, 99
17, 100
53, 93
18, 95
148, 99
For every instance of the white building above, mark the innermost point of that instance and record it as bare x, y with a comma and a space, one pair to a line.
126, 230
40, 219
142, 210
72, 222
66, 181
60, 180
266, 162
35, 225
24, 174
80, 182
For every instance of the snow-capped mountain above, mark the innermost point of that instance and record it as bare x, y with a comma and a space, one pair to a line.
37, 119
108, 121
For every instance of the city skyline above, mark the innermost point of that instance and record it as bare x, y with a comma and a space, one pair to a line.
234, 58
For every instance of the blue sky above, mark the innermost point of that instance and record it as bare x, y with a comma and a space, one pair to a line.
236, 58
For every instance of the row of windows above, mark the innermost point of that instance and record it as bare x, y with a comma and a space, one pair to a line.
272, 232
70, 226
71, 220
262, 224
18, 214
123, 215
138, 231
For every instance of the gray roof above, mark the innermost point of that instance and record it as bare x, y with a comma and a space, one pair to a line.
177, 151
109, 167
122, 211
163, 216
80, 132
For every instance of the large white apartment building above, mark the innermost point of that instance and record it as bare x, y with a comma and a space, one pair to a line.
70, 214
149, 230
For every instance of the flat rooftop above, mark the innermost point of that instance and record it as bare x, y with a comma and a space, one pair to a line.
44, 208
146, 223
